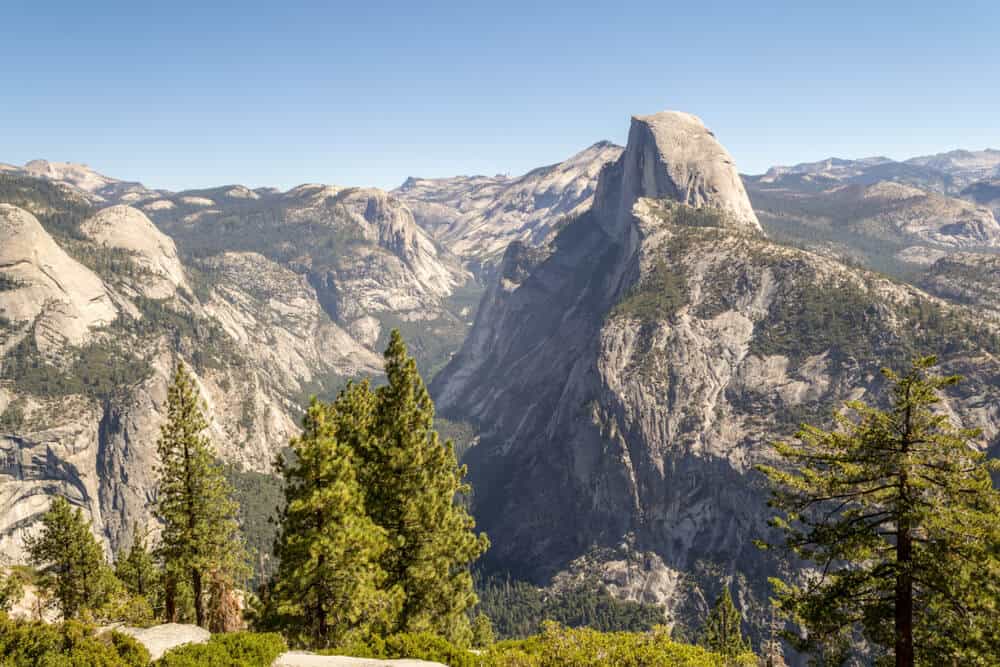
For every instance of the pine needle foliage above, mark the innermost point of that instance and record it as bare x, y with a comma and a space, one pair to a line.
200, 532
722, 632
413, 482
896, 510
329, 583
373, 539
74, 573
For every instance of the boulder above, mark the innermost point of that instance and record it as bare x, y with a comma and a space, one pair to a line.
161, 638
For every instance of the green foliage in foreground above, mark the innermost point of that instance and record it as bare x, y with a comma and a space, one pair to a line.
71, 644
897, 510
518, 609
556, 646
73, 570
200, 546
237, 649
372, 539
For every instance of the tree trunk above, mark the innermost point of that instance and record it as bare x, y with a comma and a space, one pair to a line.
904, 598
170, 600
199, 603
904, 553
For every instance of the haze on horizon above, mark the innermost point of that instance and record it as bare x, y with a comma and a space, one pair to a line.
183, 96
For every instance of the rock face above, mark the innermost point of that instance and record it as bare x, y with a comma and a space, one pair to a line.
964, 166
274, 315
280, 296
477, 217
986, 193
128, 229
43, 285
626, 378
672, 155
924, 216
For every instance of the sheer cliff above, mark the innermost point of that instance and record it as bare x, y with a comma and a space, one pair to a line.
626, 377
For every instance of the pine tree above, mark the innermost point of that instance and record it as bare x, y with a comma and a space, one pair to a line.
137, 569
74, 571
412, 483
897, 511
194, 501
329, 583
482, 631
722, 632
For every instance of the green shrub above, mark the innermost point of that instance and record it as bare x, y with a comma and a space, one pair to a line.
415, 646
566, 647
70, 644
236, 649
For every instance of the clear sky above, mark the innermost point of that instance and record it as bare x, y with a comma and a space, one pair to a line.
180, 94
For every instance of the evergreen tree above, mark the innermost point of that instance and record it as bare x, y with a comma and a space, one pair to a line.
897, 511
137, 569
329, 582
722, 632
74, 572
194, 501
412, 483
11, 590
482, 631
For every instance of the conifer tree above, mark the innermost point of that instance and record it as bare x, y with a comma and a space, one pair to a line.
413, 481
329, 582
722, 632
137, 568
74, 571
194, 501
897, 511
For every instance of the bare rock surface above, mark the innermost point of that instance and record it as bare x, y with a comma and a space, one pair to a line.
154, 252
477, 217
61, 298
161, 638
673, 155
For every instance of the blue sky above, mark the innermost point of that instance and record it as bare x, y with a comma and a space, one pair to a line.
182, 95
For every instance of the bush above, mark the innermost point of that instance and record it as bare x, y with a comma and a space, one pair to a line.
236, 649
415, 646
70, 644
565, 647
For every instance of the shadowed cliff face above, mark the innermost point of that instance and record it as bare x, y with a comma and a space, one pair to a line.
626, 378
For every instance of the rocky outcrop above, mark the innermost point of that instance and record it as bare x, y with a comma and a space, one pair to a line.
159, 639
45, 288
478, 216
664, 343
985, 193
672, 155
153, 252
921, 215
276, 319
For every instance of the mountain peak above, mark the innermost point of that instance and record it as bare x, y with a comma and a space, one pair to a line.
78, 175
672, 155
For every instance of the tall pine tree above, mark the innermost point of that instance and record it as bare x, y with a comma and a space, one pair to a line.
329, 583
897, 511
74, 572
722, 632
413, 483
194, 502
